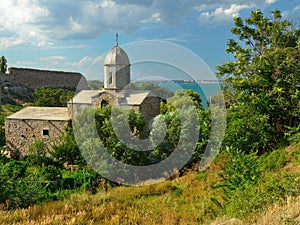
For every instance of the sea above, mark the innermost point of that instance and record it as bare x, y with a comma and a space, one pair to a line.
205, 90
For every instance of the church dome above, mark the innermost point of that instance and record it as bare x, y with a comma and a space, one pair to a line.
116, 56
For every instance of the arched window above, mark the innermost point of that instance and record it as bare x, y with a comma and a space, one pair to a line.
104, 103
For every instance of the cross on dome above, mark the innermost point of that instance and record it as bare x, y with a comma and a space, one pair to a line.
117, 39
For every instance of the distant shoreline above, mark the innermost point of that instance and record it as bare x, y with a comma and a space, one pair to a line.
183, 81
177, 81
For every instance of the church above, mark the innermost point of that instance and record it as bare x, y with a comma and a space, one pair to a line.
47, 123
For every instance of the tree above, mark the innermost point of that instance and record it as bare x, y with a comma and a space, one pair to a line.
181, 98
106, 130
3, 64
52, 97
66, 149
171, 126
264, 74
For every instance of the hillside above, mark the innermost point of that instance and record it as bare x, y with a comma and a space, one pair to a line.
184, 200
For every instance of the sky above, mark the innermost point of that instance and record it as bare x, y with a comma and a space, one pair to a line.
72, 35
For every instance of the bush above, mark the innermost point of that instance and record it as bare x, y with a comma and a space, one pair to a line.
14, 169
17, 189
241, 171
51, 173
67, 150
51, 97
39, 154
256, 198
247, 129
86, 180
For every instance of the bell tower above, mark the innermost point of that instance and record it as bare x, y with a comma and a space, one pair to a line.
116, 68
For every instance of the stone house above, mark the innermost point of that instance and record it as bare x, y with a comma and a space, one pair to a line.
34, 123
45, 123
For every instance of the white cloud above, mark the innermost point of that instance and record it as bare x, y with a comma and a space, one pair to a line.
296, 8
43, 22
45, 44
221, 15
52, 60
271, 1
9, 42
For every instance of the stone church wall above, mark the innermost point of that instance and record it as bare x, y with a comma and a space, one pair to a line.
150, 108
20, 134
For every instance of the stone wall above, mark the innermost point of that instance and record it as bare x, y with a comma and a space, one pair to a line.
150, 108
21, 133
33, 78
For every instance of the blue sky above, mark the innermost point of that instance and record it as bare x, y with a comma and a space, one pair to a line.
70, 35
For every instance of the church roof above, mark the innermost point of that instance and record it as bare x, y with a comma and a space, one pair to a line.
116, 56
135, 98
125, 98
85, 96
41, 113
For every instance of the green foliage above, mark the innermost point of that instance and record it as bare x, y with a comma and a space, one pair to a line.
169, 127
17, 189
240, 171
3, 64
264, 74
181, 98
95, 84
15, 169
106, 133
156, 90
3, 158
254, 199
66, 149
293, 134
39, 154
51, 173
273, 161
86, 180
52, 97
247, 129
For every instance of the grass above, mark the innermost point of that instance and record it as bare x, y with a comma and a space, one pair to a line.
170, 202
184, 200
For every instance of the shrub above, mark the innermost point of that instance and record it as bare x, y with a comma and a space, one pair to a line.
14, 169
254, 199
67, 150
17, 189
39, 154
241, 170
51, 173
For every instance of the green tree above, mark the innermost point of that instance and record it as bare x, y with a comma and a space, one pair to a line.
156, 90
264, 74
181, 98
170, 125
52, 97
66, 149
106, 132
39, 154
95, 84
3, 64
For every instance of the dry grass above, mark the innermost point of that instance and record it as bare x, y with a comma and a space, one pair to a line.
181, 201
185, 200
287, 212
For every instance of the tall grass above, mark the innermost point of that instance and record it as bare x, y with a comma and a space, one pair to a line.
184, 200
